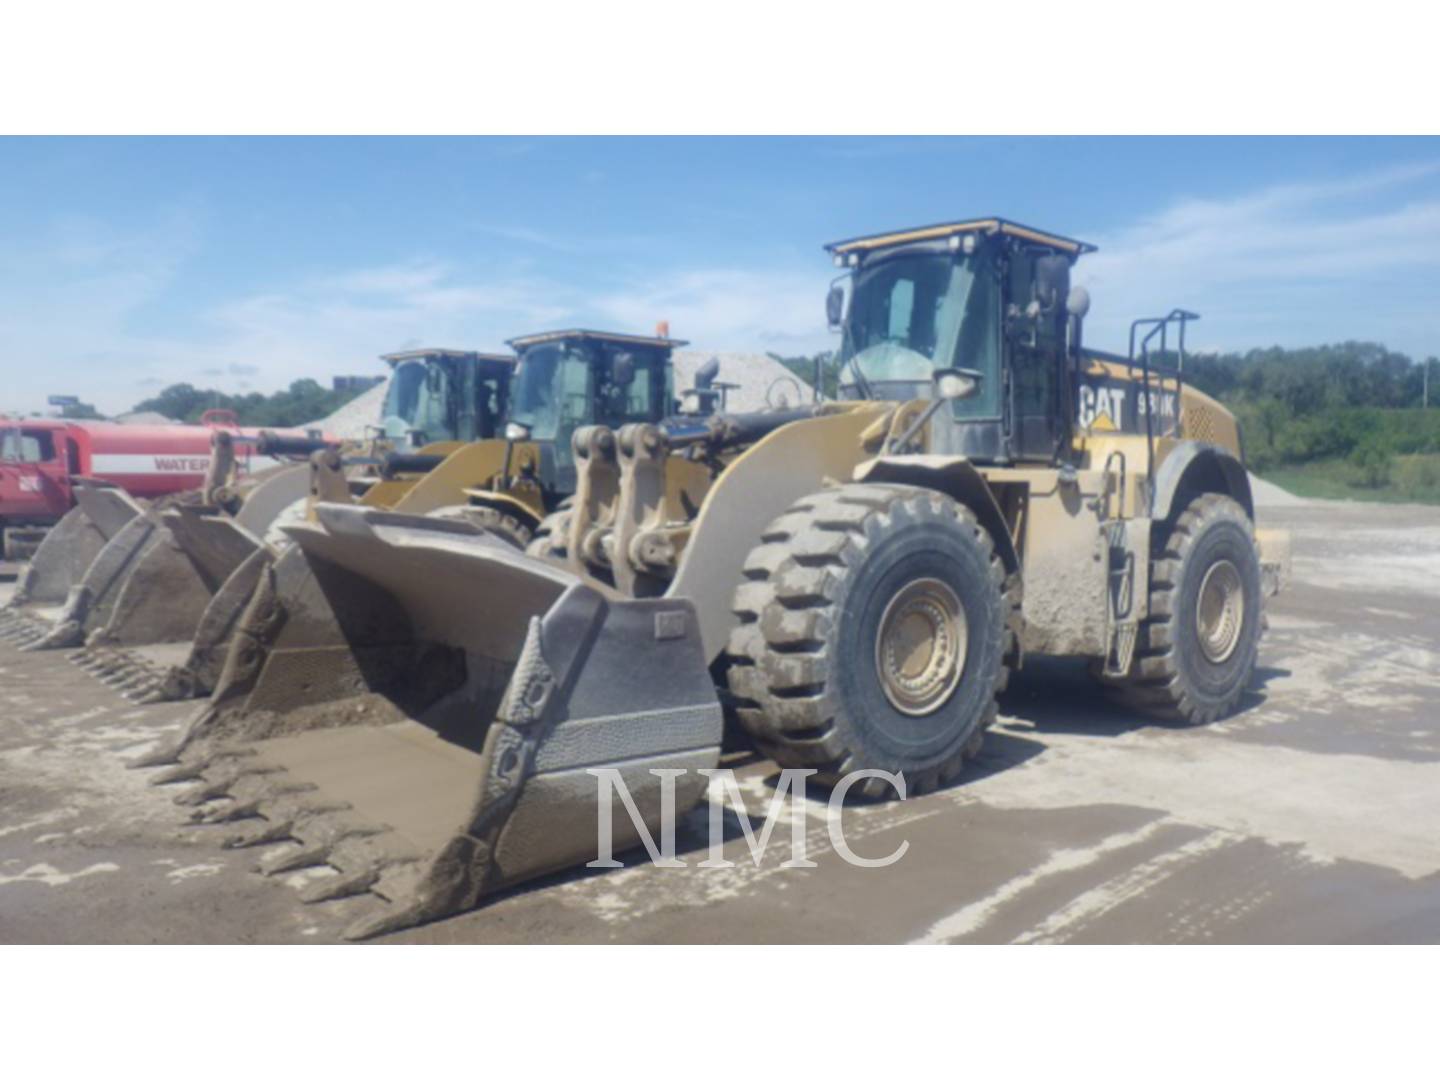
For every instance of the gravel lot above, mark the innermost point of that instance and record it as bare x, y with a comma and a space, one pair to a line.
1312, 815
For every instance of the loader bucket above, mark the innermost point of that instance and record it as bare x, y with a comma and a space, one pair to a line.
435, 749
68, 549
74, 574
144, 646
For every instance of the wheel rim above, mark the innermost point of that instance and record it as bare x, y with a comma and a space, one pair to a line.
920, 650
1220, 612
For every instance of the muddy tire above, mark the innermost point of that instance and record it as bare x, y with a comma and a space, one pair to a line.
874, 625
549, 541
507, 527
1196, 653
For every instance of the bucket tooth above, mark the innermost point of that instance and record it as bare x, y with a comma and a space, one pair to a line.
198, 796
141, 692
176, 773
326, 830
131, 681
228, 812
272, 832
301, 858
355, 883
233, 778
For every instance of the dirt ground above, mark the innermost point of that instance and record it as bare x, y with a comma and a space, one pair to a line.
1311, 816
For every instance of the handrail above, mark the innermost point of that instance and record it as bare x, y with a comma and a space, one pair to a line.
1159, 325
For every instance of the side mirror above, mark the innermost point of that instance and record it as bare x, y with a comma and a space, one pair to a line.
707, 373
956, 384
516, 431
622, 369
835, 307
1077, 304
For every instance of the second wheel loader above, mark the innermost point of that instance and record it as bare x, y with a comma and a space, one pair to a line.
852, 583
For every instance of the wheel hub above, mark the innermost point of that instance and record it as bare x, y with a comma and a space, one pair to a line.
1220, 611
920, 649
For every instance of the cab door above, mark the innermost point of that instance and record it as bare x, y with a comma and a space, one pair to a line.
1036, 345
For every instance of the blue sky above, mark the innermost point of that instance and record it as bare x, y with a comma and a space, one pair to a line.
128, 264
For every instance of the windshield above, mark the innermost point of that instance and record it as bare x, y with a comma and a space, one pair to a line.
911, 314
418, 400
27, 447
551, 394
560, 386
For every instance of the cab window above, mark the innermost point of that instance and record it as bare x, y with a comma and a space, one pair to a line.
29, 446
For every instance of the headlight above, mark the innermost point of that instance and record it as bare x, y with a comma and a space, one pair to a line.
516, 432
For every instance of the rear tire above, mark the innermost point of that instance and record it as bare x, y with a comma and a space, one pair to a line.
550, 539
1196, 653
875, 620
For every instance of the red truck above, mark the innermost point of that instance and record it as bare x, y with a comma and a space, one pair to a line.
40, 458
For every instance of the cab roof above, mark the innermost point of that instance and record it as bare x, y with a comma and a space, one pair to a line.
595, 335
989, 226
447, 354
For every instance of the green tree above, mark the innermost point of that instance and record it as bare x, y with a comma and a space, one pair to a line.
304, 401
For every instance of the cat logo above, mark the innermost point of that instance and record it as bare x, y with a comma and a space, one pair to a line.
1102, 407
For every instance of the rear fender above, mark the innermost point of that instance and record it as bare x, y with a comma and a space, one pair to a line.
1194, 468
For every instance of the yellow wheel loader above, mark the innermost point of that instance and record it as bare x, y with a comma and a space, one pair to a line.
852, 582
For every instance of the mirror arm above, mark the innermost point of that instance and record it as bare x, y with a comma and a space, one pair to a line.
920, 421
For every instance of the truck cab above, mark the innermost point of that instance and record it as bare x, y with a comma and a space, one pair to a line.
36, 460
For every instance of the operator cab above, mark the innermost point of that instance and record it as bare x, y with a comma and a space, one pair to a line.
988, 297
446, 395
567, 379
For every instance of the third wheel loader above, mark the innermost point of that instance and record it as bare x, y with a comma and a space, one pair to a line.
852, 583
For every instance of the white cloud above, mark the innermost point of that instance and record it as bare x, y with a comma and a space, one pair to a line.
81, 305
774, 310
1290, 264
70, 312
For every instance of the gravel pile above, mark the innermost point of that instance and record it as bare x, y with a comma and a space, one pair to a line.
350, 420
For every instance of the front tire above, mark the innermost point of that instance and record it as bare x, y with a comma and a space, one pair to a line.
507, 527
1197, 651
874, 626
